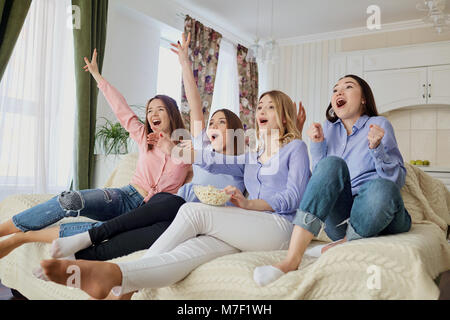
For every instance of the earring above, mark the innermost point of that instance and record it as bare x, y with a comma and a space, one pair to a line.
331, 112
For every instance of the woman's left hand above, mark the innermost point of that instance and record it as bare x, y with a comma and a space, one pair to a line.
375, 135
237, 198
301, 117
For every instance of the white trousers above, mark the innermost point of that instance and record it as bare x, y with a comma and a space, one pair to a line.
201, 233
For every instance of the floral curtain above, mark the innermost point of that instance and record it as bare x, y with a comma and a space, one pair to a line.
204, 54
248, 88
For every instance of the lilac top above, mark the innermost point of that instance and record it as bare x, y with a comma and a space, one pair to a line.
364, 163
281, 181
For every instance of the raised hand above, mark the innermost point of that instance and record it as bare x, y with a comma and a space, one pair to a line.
184, 151
92, 66
152, 138
186, 145
375, 135
315, 132
301, 117
165, 144
182, 49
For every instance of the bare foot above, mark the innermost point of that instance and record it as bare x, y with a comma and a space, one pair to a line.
96, 278
8, 245
333, 244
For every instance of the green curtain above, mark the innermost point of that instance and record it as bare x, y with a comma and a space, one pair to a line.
90, 35
12, 17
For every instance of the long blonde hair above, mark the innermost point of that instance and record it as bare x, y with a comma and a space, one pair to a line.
286, 110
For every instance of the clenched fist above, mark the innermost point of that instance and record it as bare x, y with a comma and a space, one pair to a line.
375, 135
315, 132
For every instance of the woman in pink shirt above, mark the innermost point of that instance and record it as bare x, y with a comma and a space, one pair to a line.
155, 172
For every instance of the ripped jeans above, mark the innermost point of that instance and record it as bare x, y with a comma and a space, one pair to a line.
95, 204
377, 209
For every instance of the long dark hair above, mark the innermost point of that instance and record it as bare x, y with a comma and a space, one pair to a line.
176, 122
369, 108
233, 123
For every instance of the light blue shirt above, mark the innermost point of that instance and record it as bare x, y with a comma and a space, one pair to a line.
364, 163
280, 181
206, 178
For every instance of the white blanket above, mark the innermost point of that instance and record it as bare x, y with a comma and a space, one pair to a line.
390, 267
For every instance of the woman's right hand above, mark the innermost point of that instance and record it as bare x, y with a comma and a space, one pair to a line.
315, 132
182, 49
92, 66
152, 138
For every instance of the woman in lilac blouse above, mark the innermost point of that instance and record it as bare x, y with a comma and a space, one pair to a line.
358, 172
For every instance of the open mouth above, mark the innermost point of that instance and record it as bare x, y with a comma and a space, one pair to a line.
214, 136
263, 121
156, 122
340, 102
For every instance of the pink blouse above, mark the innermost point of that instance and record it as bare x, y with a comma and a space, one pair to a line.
155, 171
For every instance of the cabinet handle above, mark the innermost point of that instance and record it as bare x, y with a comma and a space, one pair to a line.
424, 91
429, 90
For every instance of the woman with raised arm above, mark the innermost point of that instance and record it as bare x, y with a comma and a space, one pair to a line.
355, 187
155, 172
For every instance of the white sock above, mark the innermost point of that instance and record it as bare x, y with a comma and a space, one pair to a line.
266, 274
315, 251
68, 246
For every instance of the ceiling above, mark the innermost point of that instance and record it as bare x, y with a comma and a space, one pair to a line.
297, 18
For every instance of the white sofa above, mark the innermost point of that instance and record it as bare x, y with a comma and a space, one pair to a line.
401, 266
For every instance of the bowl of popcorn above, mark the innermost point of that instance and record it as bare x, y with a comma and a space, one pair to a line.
211, 195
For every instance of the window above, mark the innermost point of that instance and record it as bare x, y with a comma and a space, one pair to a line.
37, 104
169, 73
226, 86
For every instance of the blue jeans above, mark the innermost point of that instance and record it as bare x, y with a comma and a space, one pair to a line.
377, 209
96, 204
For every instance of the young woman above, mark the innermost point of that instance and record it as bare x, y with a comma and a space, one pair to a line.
355, 187
275, 178
155, 172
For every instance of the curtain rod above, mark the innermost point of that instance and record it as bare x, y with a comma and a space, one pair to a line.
225, 34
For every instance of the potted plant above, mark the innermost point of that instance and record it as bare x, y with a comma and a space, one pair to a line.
112, 137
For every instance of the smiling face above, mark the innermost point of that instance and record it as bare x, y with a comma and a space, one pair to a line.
157, 116
347, 101
217, 131
267, 115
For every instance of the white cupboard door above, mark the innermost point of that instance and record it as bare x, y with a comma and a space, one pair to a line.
394, 89
439, 85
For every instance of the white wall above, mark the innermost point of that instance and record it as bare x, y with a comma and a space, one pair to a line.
302, 72
130, 65
131, 58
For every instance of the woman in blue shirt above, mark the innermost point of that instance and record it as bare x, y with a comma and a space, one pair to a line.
358, 172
